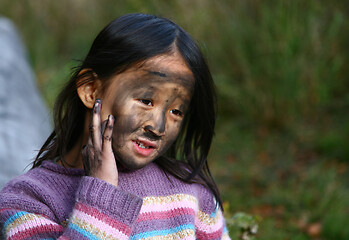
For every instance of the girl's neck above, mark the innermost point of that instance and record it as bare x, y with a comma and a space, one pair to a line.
74, 158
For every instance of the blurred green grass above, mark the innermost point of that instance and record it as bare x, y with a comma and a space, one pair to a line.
281, 149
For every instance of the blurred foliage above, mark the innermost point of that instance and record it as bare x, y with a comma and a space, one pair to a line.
281, 149
245, 224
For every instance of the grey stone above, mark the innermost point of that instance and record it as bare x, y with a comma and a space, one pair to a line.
24, 120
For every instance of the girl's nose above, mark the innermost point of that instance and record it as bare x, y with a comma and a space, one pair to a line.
157, 124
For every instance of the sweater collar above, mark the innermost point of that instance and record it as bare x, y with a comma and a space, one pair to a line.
52, 166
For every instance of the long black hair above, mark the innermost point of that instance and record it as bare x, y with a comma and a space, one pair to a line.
128, 40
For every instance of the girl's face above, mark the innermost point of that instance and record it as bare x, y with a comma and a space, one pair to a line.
149, 102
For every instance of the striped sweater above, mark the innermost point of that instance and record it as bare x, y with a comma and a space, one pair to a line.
53, 202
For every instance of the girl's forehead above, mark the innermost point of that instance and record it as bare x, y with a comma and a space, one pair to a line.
169, 67
173, 62
153, 72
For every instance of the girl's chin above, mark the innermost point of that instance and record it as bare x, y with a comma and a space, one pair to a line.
128, 159
130, 165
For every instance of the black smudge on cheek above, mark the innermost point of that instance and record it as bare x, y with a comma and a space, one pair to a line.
170, 137
167, 143
162, 122
123, 127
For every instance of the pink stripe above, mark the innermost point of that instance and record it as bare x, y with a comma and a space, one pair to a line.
210, 228
165, 214
213, 235
100, 224
32, 227
166, 207
125, 229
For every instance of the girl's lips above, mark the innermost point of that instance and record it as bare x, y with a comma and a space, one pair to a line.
146, 142
147, 151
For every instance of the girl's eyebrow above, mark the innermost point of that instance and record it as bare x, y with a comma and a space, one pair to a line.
145, 92
148, 93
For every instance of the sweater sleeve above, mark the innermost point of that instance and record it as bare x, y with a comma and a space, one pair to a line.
211, 226
101, 211
209, 220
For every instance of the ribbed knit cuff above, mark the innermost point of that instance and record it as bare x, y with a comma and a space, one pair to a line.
109, 199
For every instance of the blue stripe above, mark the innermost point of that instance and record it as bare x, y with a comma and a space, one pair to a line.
213, 214
82, 231
162, 232
216, 210
14, 217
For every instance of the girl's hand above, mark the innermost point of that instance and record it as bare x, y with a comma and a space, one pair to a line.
97, 156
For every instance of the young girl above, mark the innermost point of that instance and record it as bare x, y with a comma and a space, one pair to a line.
136, 168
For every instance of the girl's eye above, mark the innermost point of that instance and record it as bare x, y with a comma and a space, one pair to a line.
146, 102
176, 112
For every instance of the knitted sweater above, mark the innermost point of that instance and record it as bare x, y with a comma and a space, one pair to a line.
53, 202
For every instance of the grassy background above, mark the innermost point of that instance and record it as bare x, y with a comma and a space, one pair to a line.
281, 150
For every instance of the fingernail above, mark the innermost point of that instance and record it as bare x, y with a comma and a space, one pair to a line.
97, 102
97, 106
110, 118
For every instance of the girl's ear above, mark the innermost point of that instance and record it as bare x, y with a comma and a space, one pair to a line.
88, 86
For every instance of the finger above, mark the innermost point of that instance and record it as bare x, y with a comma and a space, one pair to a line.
108, 133
95, 127
104, 125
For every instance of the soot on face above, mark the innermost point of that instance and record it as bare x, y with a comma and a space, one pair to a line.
153, 122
